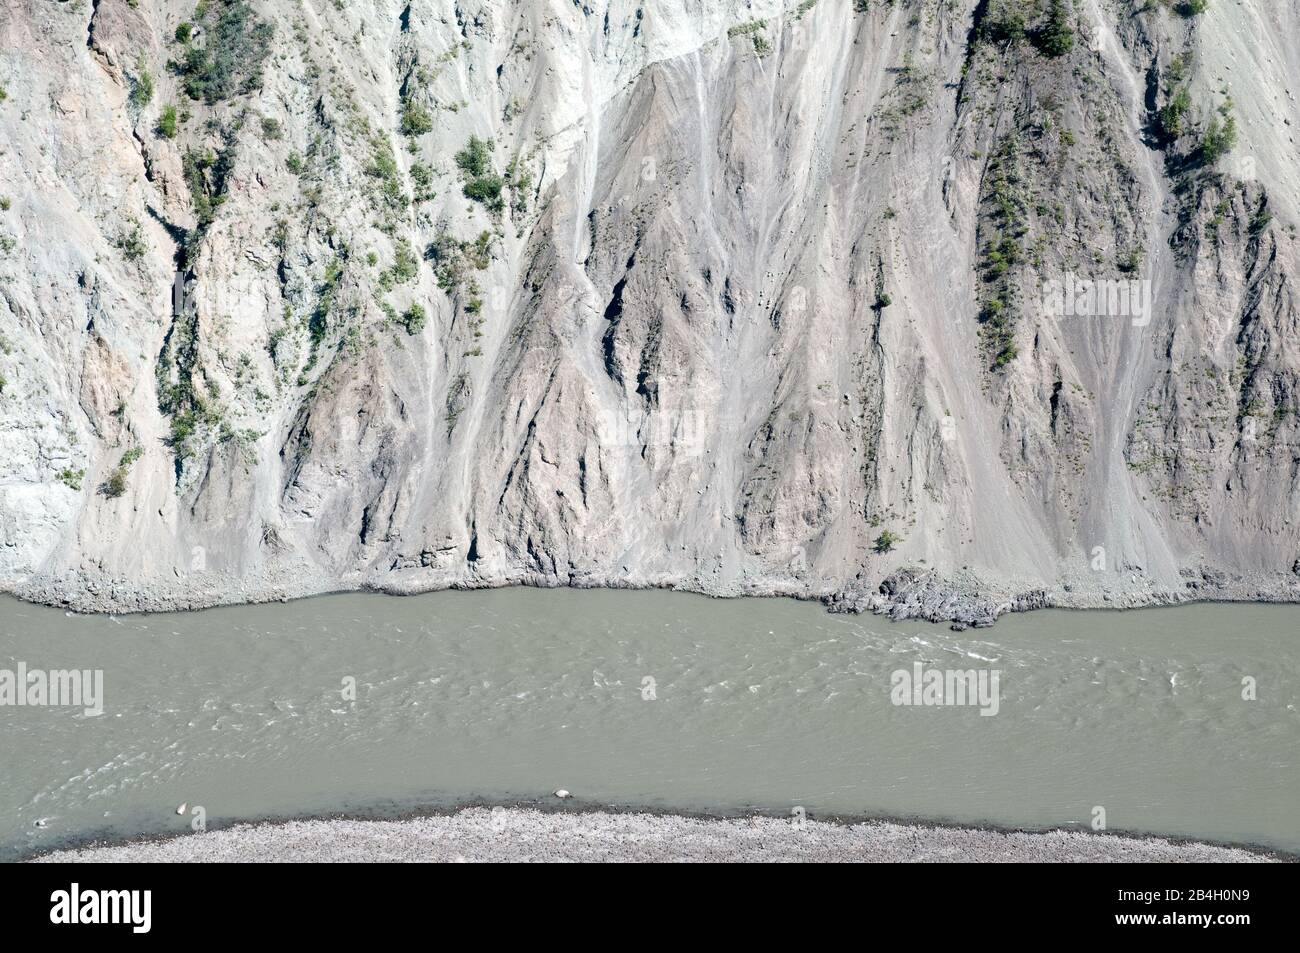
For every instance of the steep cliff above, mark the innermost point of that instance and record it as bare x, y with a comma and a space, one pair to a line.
936, 307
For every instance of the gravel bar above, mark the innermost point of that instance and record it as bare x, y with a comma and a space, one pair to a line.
498, 834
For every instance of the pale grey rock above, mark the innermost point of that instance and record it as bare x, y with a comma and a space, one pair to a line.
729, 326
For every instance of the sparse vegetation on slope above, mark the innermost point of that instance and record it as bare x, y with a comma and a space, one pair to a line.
167, 123
227, 57
482, 183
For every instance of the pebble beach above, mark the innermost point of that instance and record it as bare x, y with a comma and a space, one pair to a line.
493, 835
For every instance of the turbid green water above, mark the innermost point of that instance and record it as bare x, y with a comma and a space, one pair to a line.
765, 704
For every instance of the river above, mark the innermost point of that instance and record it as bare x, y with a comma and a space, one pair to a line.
657, 700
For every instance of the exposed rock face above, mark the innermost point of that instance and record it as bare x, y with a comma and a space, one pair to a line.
738, 297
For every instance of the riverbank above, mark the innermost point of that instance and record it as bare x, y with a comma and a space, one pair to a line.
528, 835
965, 600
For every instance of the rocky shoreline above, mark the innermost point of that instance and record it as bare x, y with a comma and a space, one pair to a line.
909, 593
499, 834
738, 341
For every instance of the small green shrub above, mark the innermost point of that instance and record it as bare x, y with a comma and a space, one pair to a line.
422, 179
1220, 136
1173, 116
413, 319
742, 29
1178, 66
476, 158
391, 197
1006, 355
141, 87
520, 181
132, 242
886, 541
115, 485
1004, 23
71, 478
167, 123
1260, 220
475, 163
451, 258
405, 265
1056, 38
183, 426
205, 175
480, 250
416, 120
1130, 263
486, 189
